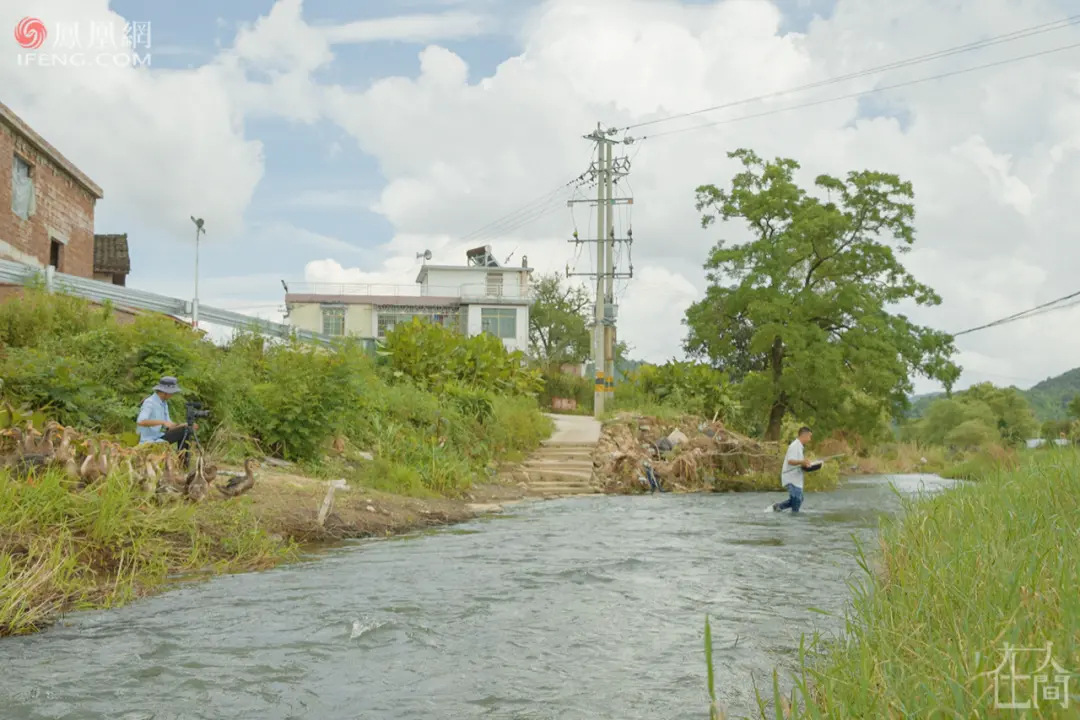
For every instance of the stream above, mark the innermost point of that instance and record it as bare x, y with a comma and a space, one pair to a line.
579, 608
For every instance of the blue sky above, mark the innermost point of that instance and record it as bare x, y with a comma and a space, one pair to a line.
989, 153
306, 159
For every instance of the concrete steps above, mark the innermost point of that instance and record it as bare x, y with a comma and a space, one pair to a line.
563, 465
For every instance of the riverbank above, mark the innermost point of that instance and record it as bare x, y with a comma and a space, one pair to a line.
63, 550
960, 576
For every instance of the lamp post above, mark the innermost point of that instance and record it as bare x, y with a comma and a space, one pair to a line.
195, 305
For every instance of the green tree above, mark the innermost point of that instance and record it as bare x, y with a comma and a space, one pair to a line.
1003, 412
1013, 416
558, 329
801, 310
1074, 407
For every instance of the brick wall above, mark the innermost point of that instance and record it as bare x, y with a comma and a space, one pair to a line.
64, 210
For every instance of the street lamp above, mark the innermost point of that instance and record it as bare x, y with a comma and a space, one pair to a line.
195, 305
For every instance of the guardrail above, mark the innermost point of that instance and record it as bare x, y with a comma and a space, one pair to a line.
13, 273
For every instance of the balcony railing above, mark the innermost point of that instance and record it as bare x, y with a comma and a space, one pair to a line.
470, 292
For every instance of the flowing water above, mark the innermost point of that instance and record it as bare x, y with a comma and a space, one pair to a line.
577, 608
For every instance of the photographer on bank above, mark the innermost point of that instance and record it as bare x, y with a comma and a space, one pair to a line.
154, 424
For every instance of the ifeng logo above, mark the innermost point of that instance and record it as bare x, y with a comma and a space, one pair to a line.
30, 33
74, 44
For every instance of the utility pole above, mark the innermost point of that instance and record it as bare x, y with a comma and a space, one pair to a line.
609, 271
604, 170
195, 303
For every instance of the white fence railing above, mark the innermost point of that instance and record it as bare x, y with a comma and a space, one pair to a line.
13, 273
474, 292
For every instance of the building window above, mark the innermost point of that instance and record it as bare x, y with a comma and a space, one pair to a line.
495, 284
56, 255
22, 189
333, 321
500, 322
392, 317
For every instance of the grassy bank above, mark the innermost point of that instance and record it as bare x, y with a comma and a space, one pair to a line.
63, 549
960, 576
418, 433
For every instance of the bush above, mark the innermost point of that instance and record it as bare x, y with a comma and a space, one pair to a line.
441, 405
692, 388
433, 356
564, 385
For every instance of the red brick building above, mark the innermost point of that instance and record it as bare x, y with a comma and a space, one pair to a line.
46, 203
47, 210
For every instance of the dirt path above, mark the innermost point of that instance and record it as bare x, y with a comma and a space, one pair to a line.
288, 504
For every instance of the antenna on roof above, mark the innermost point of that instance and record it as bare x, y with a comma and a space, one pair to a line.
507, 260
426, 255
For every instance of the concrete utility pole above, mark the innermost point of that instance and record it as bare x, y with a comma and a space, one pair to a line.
603, 331
609, 271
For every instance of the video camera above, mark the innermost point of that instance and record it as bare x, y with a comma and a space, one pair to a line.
193, 411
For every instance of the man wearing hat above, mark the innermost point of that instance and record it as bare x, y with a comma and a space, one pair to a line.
154, 424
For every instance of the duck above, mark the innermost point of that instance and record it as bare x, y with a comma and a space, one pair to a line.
148, 478
170, 481
65, 456
29, 438
197, 487
240, 485
90, 470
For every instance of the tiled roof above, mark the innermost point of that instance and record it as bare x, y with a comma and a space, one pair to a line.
111, 254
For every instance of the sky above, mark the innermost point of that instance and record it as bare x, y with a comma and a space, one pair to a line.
328, 142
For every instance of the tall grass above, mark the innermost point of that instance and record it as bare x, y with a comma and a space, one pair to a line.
63, 549
437, 410
959, 576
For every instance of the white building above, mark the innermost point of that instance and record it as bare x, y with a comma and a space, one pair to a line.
481, 296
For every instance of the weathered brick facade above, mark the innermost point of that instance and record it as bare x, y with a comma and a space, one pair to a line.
64, 200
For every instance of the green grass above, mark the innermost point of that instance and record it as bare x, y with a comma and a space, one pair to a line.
63, 549
958, 577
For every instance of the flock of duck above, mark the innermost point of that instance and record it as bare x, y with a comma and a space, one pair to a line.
156, 468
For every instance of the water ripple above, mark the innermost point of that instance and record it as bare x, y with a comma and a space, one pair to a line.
587, 608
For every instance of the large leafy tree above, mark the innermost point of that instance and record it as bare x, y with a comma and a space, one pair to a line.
801, 311
558, 327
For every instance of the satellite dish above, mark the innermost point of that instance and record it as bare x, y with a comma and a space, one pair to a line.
426, 255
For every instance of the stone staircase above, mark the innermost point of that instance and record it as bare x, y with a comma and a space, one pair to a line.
563, 465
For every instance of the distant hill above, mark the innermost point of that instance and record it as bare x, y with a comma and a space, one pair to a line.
1049, 399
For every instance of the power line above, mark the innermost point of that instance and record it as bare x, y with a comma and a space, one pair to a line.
919, 59
1051, 306
863, 93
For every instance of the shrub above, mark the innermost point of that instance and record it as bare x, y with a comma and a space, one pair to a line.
440, 409
432, 356
690, 387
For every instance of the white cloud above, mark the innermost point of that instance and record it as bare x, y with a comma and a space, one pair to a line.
162, 145
411, 28
994, 156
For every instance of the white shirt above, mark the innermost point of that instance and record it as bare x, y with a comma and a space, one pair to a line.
792, 474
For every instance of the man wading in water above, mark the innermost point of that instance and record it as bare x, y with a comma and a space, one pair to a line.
792, 474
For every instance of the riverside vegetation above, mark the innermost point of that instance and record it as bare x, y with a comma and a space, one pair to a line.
957, 578
431, 417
